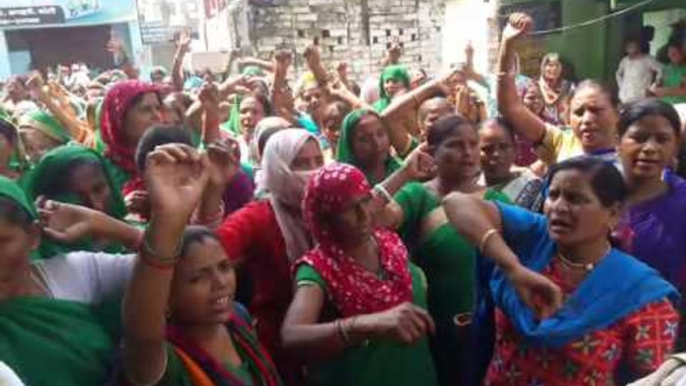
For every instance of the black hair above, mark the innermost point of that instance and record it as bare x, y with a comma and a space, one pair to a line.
13, 213
60, 184
195, 234
138, 98
340, 106
8, 130
502, 122
635, 111
264, 101
676, 43
160, 135
632, 39
606, 181
600, 86
264, 137
438, 96
445, 128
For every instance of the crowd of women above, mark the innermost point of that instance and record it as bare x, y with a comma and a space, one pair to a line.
412, 231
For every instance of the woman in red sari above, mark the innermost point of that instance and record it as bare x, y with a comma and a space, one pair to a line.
265, 236
129, 110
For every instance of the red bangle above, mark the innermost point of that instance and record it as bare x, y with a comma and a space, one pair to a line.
155, 264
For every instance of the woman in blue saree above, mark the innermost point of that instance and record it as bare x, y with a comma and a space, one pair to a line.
615, 310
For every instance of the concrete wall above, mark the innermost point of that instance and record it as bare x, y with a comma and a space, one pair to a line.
356, 31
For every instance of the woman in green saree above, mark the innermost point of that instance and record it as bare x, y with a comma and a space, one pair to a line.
181, 325
447, 258
50, 334
40, 132
394, 81
364, 143
76, 175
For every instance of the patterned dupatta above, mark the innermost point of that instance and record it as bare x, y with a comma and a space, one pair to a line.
203, 370
353, 289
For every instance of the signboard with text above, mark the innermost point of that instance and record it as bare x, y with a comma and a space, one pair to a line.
58, 13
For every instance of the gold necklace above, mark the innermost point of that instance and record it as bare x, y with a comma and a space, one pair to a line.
588, 267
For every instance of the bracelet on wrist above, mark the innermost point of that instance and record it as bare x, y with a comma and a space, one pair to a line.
381, 190
150, 254
485, 238
156, 264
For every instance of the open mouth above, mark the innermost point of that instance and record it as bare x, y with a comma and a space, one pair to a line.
646, 162
559, 226
221, 303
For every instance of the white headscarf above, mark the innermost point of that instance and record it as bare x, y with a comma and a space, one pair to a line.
286, 187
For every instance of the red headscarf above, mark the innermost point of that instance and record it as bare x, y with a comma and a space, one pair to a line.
353, 289
117, 102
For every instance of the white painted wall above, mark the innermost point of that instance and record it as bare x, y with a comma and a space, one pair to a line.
467, 20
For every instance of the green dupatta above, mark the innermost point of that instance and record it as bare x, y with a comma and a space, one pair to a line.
18, 161
52, 168
399, 74
11, 190
54, 342
233, 125
344, 152
46, 124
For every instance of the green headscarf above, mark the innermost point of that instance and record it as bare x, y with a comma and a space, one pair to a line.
233, 125
52, 168
344, 152
399, 74
55, 342
46, 124
11, 189
252, 71
18, 161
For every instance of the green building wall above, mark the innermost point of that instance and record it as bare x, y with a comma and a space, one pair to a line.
594, 51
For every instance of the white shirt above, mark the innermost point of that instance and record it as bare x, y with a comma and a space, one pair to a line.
86, 277
634, 76
8, 377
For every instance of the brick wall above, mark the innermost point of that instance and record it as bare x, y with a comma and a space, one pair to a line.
355, 31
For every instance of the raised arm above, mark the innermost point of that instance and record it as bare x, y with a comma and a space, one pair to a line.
407, 105
394, 52
526, 123
316, 66
480, 222
282, 96
210, 99
224, 163
419, 166
64, 115
182, 49
175, 178
470, 71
